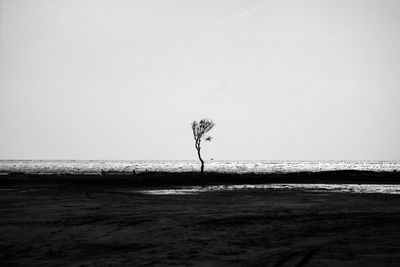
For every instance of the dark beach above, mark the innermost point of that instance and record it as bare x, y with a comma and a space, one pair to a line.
80, 220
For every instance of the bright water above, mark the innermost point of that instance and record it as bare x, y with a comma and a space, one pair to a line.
256, 166
344, 188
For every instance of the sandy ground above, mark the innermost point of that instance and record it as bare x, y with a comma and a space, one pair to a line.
67, 224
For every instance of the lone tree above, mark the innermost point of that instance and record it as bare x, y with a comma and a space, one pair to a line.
200, 129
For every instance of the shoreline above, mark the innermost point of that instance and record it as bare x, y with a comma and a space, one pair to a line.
208, 178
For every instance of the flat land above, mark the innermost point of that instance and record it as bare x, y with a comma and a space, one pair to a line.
61, 222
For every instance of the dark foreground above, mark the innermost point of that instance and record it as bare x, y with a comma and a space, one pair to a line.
92, 223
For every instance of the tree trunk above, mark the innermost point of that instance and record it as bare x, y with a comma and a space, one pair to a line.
201, 160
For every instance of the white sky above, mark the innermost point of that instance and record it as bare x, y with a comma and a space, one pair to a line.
124, 79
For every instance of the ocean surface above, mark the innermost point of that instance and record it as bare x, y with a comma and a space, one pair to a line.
253, 166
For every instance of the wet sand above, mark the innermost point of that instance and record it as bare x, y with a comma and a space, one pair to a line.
65, 222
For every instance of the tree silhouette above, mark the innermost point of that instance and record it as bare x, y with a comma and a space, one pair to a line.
200, 129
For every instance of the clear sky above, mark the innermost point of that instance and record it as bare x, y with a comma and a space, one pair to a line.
283, 79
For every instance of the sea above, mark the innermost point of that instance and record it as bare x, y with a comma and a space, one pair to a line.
223, 166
